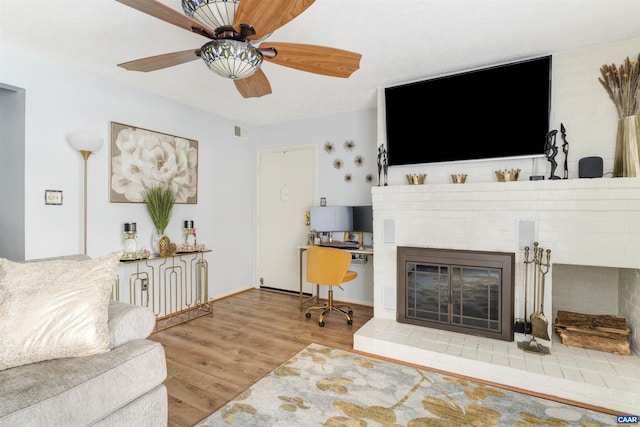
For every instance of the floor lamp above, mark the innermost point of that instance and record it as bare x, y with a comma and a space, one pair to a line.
86, 144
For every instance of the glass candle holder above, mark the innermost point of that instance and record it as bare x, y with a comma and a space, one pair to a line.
130, 245
189, 235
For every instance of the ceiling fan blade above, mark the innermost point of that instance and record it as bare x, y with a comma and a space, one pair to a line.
167, 14
159, 62
314, 59
254, 86
268, 16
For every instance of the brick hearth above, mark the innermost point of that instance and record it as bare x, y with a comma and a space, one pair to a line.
588, 224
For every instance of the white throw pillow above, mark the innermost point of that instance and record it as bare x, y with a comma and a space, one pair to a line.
54, 309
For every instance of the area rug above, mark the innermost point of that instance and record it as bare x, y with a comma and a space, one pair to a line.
322, 386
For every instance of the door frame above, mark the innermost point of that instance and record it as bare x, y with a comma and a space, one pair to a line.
313, 148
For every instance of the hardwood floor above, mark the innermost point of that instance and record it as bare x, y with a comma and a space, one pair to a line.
212, 359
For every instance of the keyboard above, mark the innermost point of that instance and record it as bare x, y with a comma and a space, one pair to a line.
340, 245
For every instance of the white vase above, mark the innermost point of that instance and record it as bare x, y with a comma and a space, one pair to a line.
155, 240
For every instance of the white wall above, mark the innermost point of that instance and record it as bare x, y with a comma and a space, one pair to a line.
60, 100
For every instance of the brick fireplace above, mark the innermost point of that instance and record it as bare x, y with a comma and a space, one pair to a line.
592, 228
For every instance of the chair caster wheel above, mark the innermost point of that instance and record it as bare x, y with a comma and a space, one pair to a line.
321, 324
349, 322
307, 315
350, 312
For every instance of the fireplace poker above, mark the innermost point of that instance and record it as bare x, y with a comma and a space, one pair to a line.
523, 325
540, 326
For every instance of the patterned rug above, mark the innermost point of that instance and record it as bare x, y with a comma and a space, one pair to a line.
322, 386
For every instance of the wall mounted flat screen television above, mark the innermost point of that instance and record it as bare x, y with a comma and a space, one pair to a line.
490, 113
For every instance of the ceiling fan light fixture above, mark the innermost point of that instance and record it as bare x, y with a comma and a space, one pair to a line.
232, 59
212, 13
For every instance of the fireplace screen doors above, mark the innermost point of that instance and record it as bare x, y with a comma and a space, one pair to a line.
462, 291
466, 296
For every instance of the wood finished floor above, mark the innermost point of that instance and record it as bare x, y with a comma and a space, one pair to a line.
212, 359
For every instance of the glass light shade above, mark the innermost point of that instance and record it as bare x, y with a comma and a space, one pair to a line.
231, 58
84, 142
212, 13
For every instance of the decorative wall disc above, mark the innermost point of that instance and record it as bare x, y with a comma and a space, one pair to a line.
358, 160
337, 163
349, 144
368, 178
347, 177
328, 147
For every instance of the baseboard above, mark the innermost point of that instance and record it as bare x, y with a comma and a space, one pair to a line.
284, 291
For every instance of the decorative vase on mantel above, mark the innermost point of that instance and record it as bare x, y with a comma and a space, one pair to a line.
626, 162
623, 86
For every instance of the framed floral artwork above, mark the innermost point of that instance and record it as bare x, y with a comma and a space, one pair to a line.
142, 158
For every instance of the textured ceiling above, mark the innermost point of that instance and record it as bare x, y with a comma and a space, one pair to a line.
400, 40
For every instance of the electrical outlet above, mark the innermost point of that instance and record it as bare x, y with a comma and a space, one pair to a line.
145, 284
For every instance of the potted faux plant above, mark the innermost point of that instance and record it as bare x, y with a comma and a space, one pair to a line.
159, 201
623, 86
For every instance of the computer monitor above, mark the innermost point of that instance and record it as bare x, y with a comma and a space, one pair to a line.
363, 218
331, 218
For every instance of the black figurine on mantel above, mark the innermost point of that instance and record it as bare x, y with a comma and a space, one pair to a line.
551, 151
565, 150
383, 164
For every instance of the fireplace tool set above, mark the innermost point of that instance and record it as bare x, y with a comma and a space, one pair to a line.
537, 324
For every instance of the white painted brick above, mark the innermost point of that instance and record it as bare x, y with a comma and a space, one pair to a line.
584, 222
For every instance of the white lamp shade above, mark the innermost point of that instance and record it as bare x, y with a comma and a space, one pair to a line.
84, 142
212, 13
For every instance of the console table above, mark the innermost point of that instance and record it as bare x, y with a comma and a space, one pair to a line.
316, 297
175, 287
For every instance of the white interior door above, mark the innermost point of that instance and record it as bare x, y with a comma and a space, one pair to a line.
286, 190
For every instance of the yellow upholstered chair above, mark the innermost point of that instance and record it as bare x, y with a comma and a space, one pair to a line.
329, 267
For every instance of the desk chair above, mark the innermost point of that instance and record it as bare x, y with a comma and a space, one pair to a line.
329, 267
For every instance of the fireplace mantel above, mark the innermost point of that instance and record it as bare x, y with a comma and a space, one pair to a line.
583, 221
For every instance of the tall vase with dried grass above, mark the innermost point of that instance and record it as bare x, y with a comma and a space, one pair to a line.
160, 201
623, 86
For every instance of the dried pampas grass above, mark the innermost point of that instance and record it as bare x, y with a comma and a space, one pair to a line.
623, 86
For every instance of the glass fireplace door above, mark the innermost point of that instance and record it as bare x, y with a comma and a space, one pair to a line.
428, 292
456, 295
475, 297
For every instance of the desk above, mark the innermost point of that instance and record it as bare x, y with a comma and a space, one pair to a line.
303, 249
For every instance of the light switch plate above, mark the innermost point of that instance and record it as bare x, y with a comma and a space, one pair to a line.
52, 197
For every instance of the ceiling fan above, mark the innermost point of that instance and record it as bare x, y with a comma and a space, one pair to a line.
232, 26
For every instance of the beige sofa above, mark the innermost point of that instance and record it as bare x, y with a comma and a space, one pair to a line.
119, 387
